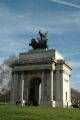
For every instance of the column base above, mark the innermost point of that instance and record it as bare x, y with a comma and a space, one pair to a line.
47, 103
66, 104
63, 104
17, 102
22, 103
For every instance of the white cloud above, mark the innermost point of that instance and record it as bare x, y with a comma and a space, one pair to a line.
55, 22
76, 83
71, 54
66, 3
75, 63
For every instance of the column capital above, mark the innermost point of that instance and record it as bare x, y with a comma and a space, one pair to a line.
53, 66
51, 70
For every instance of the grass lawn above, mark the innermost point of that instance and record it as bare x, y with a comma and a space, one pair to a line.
8, 112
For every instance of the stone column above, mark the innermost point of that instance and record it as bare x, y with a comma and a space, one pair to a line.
22, 89
14, 88
42, 90
58, 88
51, 85
27, 89
48, 102
62, 75
42, 87
69, 90
15, 85
39, 93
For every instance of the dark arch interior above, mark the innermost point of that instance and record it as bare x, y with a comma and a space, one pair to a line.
34, 91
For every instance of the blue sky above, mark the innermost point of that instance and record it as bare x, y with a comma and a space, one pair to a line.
20, 20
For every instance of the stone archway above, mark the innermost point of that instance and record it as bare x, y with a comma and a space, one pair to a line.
35, 91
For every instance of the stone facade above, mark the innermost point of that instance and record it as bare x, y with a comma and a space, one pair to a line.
41, 77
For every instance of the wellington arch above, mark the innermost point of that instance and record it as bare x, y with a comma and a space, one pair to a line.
41, 77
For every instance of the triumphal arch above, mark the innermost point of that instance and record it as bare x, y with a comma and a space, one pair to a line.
41, 77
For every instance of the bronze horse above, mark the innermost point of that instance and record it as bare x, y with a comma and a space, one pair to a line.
41, 43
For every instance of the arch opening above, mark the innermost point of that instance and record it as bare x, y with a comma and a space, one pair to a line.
35, 92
